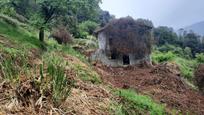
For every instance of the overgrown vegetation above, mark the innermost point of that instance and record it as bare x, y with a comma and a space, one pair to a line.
134, 104
50, 74
187, 66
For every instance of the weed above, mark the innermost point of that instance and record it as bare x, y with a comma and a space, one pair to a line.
133, 103
60, 83
86, 74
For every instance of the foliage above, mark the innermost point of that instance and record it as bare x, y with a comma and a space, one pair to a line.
12, 63
61, 84
162, 57
86, 74
200, 58
186, 52
164, 35
133, 103
86, 28
105, 17
187, 67
11, 21
19, 35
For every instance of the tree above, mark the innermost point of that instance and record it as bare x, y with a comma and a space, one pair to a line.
105, 17
165, 35
47, 10
191, 40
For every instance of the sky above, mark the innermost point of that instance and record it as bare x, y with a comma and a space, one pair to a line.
172, 13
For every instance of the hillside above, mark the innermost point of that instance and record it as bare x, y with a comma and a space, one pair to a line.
48, 78
197, 28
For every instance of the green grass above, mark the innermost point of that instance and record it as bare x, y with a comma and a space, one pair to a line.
13, 62
159, 57
133, 104
187, 67
87, 74
19, 35
61, 84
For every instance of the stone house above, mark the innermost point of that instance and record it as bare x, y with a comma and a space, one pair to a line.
124, 41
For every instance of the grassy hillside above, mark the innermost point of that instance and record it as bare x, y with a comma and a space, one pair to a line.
44, 78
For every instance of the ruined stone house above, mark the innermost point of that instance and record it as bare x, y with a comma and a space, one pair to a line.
124, 41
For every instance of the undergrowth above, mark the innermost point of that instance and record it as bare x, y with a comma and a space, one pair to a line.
61, 83
13, 63
186, 66
19, 36
132, 103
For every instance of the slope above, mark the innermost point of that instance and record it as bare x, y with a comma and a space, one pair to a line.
47, 78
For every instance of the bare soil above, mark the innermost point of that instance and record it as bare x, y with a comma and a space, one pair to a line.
161, 82
199, 77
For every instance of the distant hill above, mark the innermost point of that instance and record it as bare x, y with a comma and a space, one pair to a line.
197, 28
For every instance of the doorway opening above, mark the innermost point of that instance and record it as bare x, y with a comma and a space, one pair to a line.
126, 60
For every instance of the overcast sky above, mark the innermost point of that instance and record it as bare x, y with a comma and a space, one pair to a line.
174, 13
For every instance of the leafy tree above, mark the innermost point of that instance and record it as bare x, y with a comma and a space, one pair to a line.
47, 11
164, 35
191, 40
105, 17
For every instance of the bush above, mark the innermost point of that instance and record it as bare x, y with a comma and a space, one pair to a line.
186, 53
200, 58
162, 57
135, 104
61, 35
61, 84
86, 28
186, 66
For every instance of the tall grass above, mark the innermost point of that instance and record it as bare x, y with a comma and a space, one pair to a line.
61, 84
134, 104
19, 35
13, 63
186, 66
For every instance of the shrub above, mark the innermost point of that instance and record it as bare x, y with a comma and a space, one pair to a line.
162, 57
186, 66
61, 35
61, 84
13, 63
200, 58
86, 28
133, 104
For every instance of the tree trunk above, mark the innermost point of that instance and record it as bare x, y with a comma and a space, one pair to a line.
41, 34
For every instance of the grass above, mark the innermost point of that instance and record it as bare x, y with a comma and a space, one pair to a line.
133, 104
87, 73
60, 83
13, 62
186, 66
19, 35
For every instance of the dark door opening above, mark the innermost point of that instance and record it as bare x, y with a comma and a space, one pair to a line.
113, 55
126, 60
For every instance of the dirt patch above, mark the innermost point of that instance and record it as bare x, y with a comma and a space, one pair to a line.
160, 82
199, 77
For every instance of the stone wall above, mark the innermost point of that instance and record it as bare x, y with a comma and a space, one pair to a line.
101, 56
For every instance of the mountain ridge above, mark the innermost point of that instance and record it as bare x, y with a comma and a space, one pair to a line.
196, 27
